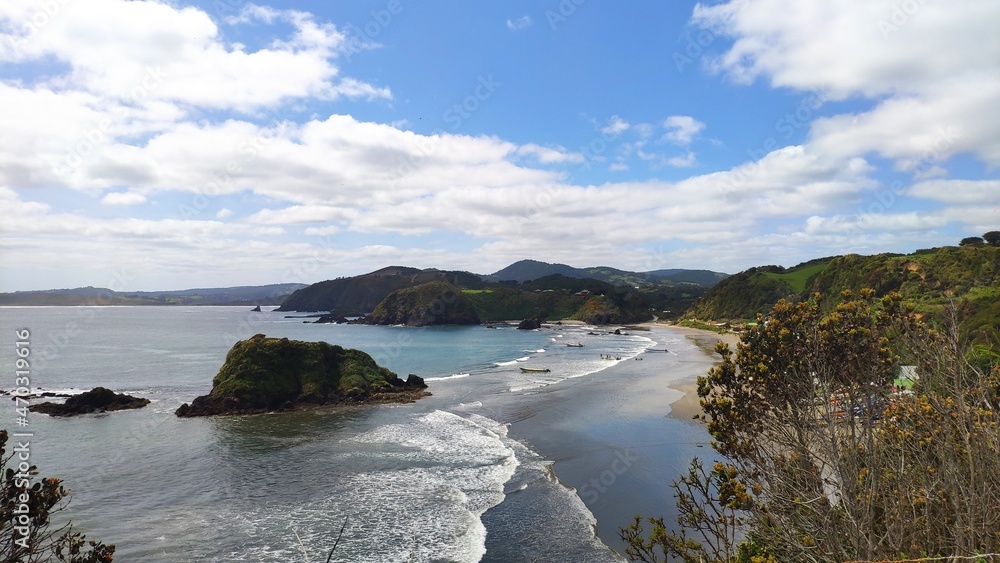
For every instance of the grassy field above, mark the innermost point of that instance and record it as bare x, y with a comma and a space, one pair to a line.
797, 278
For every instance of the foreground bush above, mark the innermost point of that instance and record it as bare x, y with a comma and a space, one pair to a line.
823, 460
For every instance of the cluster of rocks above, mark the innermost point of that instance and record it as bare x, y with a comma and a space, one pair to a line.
97, 400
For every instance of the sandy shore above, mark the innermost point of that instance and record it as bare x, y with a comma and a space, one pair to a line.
610, 434
687, 407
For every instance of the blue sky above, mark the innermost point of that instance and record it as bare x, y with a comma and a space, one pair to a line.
163, 145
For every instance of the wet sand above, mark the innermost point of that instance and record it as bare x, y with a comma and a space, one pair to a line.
622, 435
688, 407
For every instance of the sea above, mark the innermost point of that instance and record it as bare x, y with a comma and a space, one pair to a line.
441, 479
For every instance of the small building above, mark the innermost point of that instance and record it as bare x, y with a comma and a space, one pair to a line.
906, 376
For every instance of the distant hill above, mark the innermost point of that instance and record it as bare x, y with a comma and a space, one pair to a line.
536, 291
358, 295
527, 270
242, 295
700, 277
931, 280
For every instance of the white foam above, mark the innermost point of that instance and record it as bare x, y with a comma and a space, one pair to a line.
501, 364
447, 377
457, 470
627, 348
524, 359
36, 392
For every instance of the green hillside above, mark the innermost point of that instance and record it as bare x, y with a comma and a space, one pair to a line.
559, 297
359, 295
931, 281
553, 296
743, 295
431, 303
799, 277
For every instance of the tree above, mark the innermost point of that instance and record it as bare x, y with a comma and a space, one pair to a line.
27, 505
992, 238
824, 461
972, 241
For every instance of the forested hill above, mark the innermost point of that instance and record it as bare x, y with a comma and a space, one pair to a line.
502, 295
527, 270
929, 280
358, 295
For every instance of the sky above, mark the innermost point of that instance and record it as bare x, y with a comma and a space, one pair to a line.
175, 144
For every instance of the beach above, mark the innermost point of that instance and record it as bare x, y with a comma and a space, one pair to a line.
621, 436
687, 407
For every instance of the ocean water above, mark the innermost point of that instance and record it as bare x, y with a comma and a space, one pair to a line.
437, 480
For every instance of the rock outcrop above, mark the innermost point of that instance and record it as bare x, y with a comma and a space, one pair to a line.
96, 400
269, 374
530, 324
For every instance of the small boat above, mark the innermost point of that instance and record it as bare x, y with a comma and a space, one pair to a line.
575, 345
535, 370
255, 309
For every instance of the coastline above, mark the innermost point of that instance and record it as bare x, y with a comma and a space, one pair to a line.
688, 406
621, 435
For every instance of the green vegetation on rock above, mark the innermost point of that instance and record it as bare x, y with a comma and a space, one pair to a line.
263, 374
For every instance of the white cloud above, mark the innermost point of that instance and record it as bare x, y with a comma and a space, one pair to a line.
616, 126
545, 155
138, 52
299, 214
681, 129
838, 47
519, 23
643, 130
86, 127
322, 231
958, 191
685, 161
123, 198
935, 74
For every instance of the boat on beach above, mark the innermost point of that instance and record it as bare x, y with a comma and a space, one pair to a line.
535, 370
575, 344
